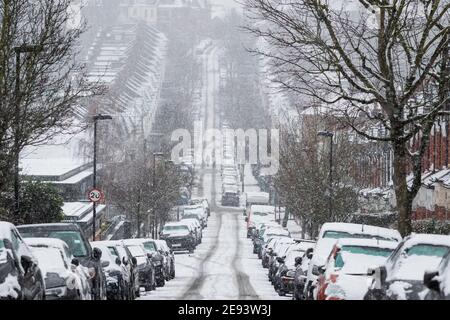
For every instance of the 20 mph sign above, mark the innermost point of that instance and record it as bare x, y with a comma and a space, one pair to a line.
95, 195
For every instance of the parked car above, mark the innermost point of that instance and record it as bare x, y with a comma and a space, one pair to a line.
179, 236
344, 276
329, 234
157, 258
230, 196
164, 249
79, 247
301, 271
144, 264
20, 275
204, 202
116, 286
401, 277
64, 278
284, 277
267, 250
279, 251
438, 282
196, 227
128, 265
196, 212
265, 234
258, 214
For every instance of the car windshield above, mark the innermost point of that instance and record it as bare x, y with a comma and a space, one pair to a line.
427, 250
149, 246
176, 228
113, 251
342, 234
368, 251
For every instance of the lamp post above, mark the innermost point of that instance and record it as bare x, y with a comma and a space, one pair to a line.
94, 183
155, 155
19, 51
328, 134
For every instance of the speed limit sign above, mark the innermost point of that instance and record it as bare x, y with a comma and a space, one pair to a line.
95, 195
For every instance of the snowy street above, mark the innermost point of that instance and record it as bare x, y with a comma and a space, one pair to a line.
223, 266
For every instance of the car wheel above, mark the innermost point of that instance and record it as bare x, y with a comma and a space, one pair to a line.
281, 293
191, 250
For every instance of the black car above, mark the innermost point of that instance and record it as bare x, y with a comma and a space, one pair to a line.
230, 198
79, 247
145, 266
158, 260
438, 282
20, 275
179, 236
403, 273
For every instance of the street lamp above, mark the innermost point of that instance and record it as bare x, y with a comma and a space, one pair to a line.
19, 51
328, 134
94, 208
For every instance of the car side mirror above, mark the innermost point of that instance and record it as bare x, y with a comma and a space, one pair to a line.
118, 262
149, 255
280, 260
298, 261
429, 280
105, 264
378, 276
321, 270
315, 270
134, 261
125, 261
309, 254
75, 262
26, 263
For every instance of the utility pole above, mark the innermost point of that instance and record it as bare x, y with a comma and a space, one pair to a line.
94, 182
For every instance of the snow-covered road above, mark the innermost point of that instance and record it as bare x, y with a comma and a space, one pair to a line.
223, 266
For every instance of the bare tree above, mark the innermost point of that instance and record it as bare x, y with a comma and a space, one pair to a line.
376, 62
41, 81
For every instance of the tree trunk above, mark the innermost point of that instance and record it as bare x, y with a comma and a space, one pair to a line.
404, 201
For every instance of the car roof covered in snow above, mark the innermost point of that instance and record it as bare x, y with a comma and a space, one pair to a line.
46, 242
366, 243
421, 238
50, 226
353, 228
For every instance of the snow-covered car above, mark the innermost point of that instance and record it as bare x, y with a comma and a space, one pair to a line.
179, 236
265, 234
268, 249
196, 227
196, 212
258, 214
156, 256
438, 282
279, 251
129, 269
79, 247
230, 196
164, 249
204, 202
401, 277
65, 278
116, 287
284, 277
344, 276
20, 275
144, 264
329, 234
301, 271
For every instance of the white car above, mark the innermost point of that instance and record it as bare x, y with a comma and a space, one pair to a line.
329, 234
64, 278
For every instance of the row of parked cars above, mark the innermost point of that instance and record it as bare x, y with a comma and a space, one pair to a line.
231, 177
351, 261
187, 233
56, 261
